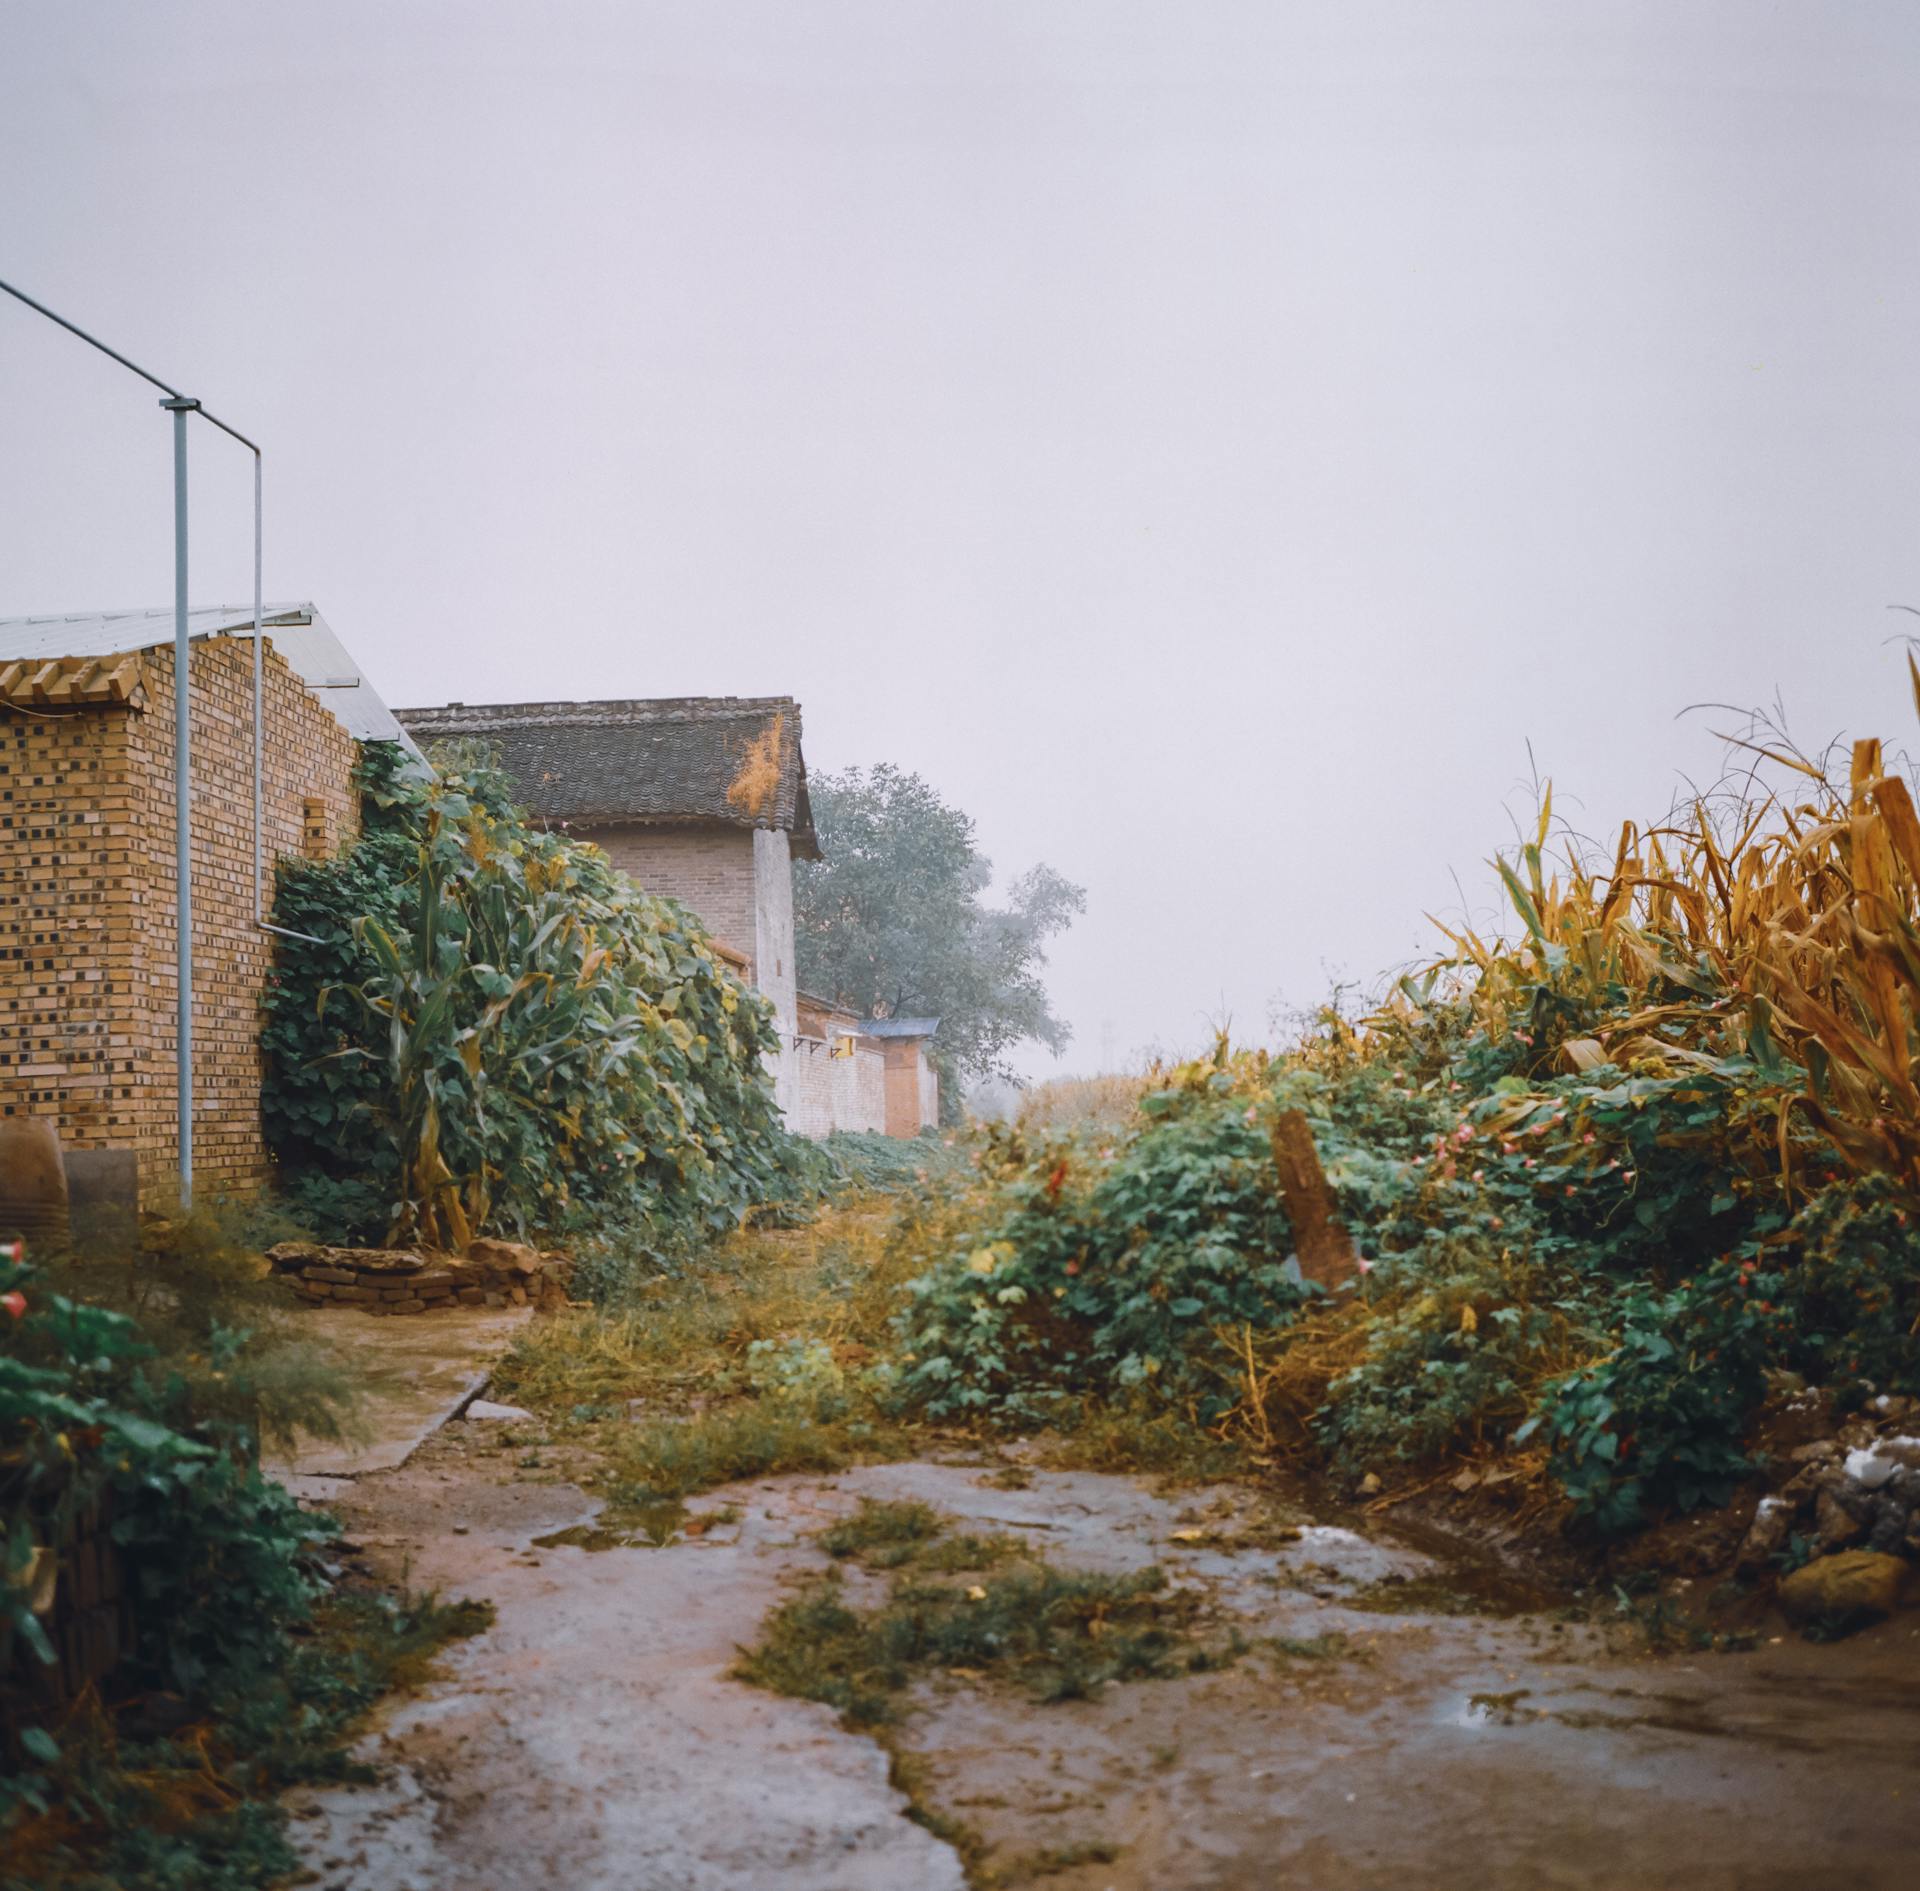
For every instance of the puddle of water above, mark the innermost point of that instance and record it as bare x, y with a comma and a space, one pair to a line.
1473, 1571
1455, 1592
638, 1526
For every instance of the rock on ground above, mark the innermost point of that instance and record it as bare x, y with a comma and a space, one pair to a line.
1850, 1584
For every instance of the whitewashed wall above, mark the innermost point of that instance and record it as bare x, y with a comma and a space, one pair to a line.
825, 1093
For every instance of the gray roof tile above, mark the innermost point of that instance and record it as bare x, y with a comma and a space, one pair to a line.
731, 759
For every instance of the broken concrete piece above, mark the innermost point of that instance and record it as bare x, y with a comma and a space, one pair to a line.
504, 1257
486, 1409
1320, 1240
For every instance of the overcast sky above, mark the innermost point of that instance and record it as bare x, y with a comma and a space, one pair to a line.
1209, 442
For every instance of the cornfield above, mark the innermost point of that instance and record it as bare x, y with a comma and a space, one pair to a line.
1785, 925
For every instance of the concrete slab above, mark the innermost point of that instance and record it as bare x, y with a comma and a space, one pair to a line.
417, 1370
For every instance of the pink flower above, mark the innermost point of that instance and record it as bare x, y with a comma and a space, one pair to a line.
1479, 1175
1365, 1266
1495, 1222
1529, 1162
1588, 1137
15, 1303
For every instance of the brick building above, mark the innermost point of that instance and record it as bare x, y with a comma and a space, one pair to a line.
850, 1072
703, 799
88, 983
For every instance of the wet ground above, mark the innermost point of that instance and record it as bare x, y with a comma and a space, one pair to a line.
1382, 1729
414, 1373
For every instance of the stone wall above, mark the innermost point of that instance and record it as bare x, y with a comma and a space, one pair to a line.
87, 966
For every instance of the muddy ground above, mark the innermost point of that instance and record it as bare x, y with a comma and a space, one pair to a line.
593, 1739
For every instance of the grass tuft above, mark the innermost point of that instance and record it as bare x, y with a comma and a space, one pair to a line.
891, 1535
1060, 1635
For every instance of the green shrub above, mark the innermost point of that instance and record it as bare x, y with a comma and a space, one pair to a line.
1852, 1301
497, 1029
1660, 1420
866, 1160
1452, 1355
151, 1380
1100, 1264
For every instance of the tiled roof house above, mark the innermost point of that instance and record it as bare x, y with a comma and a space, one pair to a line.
702, 798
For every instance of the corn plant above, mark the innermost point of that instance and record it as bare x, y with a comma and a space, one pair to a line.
546, 1036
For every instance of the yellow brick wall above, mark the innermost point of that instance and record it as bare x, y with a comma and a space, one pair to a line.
87, 978
68, 1029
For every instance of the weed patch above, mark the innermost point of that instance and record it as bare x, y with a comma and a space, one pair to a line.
1058, 1635
1134, 1437
892, 1535
669, 1458
1333, 1647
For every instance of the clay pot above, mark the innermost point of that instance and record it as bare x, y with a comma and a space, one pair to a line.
33, 1181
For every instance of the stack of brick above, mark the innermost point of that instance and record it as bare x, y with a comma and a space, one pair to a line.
393, 1280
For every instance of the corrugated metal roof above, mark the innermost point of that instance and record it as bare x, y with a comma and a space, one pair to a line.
301, 635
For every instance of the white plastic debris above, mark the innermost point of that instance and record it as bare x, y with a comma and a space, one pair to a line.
1868, 1468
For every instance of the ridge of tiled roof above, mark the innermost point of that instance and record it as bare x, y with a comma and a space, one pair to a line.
730, 759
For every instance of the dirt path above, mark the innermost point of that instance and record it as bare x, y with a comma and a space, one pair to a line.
593, 1741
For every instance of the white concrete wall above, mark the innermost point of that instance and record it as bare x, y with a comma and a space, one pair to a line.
772, 949
828, 1093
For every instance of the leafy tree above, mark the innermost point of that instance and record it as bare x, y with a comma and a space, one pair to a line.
894, 920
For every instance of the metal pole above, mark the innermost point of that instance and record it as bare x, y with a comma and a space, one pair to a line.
259, 906
180, 408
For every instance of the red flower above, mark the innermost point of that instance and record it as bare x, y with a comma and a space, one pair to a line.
1073, 1267
1056, 1181
15, 1303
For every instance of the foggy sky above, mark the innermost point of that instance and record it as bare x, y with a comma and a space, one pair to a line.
1210, 442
